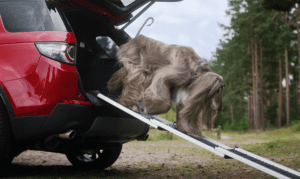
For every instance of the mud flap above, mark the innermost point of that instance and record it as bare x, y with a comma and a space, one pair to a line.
255, 161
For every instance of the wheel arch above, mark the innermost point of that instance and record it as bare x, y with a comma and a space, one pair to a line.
6, 102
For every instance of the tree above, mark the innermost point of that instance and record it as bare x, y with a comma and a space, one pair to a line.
250, 62
286, 38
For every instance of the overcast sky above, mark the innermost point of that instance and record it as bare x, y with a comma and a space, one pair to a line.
189, 22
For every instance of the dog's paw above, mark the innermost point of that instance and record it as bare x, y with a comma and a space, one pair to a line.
146, 102
197, 135
156, 106
147, 111
135, 108
188, 128
121, 102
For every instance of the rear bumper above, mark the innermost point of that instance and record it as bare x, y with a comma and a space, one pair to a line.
89, 121
115, 127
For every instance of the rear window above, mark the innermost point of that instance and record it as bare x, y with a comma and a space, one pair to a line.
108, 45
30, 16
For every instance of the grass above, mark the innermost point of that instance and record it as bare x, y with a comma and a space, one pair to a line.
280, 145
276, 138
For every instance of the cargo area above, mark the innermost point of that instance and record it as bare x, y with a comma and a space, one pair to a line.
98, 42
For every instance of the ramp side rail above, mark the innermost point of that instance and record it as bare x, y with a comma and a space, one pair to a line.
255, 161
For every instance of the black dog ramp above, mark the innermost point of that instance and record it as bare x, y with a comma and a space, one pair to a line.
255, 161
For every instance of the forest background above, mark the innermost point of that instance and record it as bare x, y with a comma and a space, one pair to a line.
258, 53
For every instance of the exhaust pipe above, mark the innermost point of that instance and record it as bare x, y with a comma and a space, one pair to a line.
142, 138
67, 135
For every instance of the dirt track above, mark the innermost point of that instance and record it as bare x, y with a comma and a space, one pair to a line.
133, 163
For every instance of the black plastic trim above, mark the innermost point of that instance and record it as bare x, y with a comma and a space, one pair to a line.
68, 116
7, 103
111, 127
104, 122
124, 19
27, 127
63, 117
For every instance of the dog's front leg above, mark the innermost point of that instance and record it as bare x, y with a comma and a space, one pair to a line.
183, 124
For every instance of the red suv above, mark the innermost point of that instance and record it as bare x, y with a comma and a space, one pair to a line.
53, 53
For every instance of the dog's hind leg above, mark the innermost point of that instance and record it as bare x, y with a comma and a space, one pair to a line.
160, 106
157, 98
116, 81
131, 94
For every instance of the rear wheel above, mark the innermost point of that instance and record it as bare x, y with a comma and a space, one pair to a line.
100, 159
6, 138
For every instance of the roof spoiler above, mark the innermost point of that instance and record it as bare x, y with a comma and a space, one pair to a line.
143, 10
121, 11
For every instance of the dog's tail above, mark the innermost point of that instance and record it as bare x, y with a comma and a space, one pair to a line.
116, 80
144, 25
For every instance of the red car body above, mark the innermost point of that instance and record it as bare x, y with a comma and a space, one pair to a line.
46, 75
37, 83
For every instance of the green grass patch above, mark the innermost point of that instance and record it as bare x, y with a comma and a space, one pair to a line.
274, 148
170, 115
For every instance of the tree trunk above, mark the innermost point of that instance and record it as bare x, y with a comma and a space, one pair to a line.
287, 88
255, 89
296, 91
279, 112
249, 117
298, 42
232, 118
262, 109
249, 103
250, 72
250, 111
268, 97
253, 84
242, 103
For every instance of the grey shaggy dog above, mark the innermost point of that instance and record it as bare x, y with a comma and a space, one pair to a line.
161, 75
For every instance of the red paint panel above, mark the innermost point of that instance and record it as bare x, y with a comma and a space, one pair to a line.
39, 93
17, 60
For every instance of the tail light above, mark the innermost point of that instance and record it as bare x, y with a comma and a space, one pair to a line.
61, 52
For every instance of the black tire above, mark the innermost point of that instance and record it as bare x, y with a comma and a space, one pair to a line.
102, 160
6, 138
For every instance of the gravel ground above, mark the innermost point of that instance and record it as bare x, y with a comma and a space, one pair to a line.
133, 163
